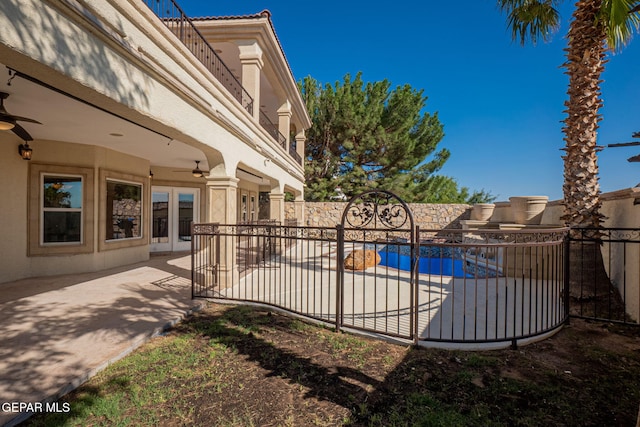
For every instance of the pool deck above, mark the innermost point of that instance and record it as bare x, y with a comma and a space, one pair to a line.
461, 313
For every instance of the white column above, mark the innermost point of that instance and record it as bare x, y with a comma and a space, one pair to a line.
251, 59
284, 121
300, 144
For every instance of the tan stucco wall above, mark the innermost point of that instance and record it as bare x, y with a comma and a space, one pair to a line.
13, 210
15, 262
624, 265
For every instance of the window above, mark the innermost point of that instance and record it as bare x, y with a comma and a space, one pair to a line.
60, 210
62, 220
160, 215
252, 205
243, 208
123, 210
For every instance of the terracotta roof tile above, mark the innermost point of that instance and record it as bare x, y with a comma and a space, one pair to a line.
264, 14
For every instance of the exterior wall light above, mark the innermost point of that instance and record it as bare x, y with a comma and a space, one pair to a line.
25, 151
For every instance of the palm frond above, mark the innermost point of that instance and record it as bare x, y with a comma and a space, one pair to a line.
531, 19
621, 19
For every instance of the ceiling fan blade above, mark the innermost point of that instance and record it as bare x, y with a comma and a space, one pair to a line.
21, 132
25, 119
5, 115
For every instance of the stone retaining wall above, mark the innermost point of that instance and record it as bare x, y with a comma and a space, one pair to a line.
427, 216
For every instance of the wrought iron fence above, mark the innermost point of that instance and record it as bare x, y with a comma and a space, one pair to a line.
490, 285
467, 287
288, 267
604, 275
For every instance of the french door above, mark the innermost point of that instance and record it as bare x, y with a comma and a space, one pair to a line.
173, 210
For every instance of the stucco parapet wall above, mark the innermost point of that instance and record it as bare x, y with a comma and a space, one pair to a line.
625, 193
427, 216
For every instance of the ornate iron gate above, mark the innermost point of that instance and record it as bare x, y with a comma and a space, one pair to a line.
374, 297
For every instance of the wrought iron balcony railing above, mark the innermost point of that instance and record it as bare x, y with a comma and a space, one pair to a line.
272, 129
181, 25
294, 153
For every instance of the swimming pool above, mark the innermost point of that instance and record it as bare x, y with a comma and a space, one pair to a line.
436, 260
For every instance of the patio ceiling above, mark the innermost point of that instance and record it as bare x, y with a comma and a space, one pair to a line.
66, 119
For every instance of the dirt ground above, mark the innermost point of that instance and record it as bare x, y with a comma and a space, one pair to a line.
285, 372
247, 366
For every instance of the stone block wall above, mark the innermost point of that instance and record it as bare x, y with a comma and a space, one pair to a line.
427, 216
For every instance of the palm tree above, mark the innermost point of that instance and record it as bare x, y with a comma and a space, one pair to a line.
597, 27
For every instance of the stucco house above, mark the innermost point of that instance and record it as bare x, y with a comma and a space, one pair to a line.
124, 121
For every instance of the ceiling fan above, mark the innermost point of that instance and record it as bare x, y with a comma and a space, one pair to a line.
197, 172
9, 121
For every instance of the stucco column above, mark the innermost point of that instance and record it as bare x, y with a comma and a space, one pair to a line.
222, 200
300, 142
277, 206
284, 121
298, 207
251, 59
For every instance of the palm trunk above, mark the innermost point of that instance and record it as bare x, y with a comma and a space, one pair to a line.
585, 63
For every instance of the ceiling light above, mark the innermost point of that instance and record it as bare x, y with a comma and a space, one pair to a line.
25, 151
197, 172
6, 124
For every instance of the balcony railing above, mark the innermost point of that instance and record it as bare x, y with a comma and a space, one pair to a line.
293, 153
272, 129
181, 25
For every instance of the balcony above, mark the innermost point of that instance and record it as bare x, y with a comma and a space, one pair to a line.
273, 130
179, 23
182, 26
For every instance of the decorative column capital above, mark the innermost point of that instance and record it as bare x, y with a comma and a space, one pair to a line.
250, 53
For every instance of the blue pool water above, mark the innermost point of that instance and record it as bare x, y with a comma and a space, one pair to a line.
433, 260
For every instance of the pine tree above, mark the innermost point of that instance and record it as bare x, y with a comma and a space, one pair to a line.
367, 136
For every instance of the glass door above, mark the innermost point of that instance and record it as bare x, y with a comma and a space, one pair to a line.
173, 210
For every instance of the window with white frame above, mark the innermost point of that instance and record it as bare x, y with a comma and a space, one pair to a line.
62, 209
123, 210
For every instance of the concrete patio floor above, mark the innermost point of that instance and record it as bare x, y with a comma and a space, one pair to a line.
59, 331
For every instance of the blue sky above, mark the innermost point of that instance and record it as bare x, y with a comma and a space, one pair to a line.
501, 104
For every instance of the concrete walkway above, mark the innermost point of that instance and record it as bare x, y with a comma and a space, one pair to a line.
57, 332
